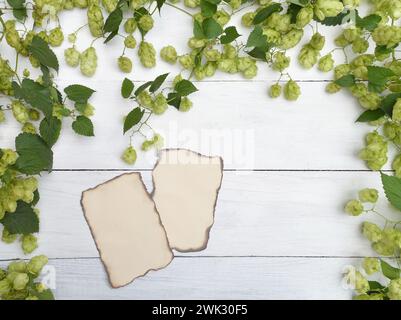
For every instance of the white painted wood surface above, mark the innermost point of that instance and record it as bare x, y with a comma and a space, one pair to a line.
279, 233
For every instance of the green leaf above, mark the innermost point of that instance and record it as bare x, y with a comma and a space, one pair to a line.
211, 28
113, 21
388, 102
78, 93
335, 21
19, 10
127, 88
346, 81
43, 295
160, 4
50, 130
208, 9
263, 14
23, 221
389, 271
133, 118
83, 126
174, 99
230, 34
36, 95
185, 88
36, 198
34, 154
375, 286
198, 31
369, 23
41, 51
258, 53
143, 87
371, 115
110, 36
257, 38
378, 77
392, 188
156, 84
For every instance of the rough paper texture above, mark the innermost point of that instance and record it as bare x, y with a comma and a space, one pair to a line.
126, 228
186, 186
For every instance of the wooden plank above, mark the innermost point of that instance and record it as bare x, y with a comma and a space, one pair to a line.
258, 214
234, 120
209, 278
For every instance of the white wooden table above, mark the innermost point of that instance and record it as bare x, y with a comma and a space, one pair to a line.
279, 233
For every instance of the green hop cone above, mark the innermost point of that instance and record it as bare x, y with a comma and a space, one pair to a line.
361, 283
146, 22
28, 128
234, 4
185, 104
72, 57
130, 25
145, 99
292, 90
20, 281
147, 54
20, 112
394, 289
328, 8
397, 111
125, 64
212, 55
354, 208
368, 195
17, 266
56, 37
371, 232
280, 61
169, 54
317, 42
88, 62
72, 38
222, 17
159, 104
195, 43
29, 243
95, 20
110, 5
130, 42
247, 19
326, 63
186, 61
36, 264
389, 243
308, 57
5, 287
275, 90
191, 3
304, 17
396, 165
129, 155
371, 265
360, 45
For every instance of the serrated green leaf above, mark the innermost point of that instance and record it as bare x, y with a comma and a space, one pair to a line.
113, 21
369, 22
389, 271
378, 77
374, 286
110, 36
371, 115
23, 221
208, 9
263, 14
36, 95
211, 28
83, 126
41, 51
257, 39
19, 10
156, 84
50, 130
335, 21
133, 118
174, 99
258, 53
392, 189
34, 155
346, 81
78, 93
143, 87
230, 34
198, 31
388, 102
185, 88
127, 88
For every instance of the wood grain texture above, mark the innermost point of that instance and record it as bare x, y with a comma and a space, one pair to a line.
257, 214
210, 278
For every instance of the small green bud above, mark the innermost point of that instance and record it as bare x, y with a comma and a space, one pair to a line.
72, 38
368, 195
125, 64
354, 208
169, 54
56, 37
292, 91
129, 156
275, 90
26, 73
